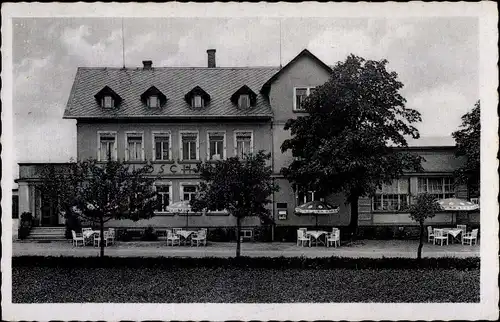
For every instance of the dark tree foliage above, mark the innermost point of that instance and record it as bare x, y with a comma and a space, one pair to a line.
351, 138
241, 187
424, 207
468, 145
99, 192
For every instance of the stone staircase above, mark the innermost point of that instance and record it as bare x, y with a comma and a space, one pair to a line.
47, 233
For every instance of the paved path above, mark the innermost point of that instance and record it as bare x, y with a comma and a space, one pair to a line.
364, 248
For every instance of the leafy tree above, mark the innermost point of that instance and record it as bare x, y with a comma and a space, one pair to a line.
351, 139
468, 145
425, 206
242, 187
100, 192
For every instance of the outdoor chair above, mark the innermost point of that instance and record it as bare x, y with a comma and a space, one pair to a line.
303, 230
463, 228
77, 238
440, 235
334, 238
469, 238
199, 238
303, 238
175, 230
97, 239
430, 234
172, 238
112, 235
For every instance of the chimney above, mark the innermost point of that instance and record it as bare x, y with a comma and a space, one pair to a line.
211, 58
148, 64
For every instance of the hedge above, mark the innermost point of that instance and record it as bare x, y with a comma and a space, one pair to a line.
249, 262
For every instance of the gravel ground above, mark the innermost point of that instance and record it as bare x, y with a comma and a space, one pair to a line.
237, 285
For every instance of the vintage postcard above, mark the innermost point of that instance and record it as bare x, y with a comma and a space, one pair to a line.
239, 161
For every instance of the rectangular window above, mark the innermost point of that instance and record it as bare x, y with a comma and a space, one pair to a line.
244, 101
153, 101
189, 146
439, 187
107, 102
303, 197
161, 147
300, 95
163, 193
188, 191
243, 144
394, 197
197, 101
134, 147
216, 145
107, 146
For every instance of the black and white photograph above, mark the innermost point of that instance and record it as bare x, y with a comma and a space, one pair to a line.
215, 161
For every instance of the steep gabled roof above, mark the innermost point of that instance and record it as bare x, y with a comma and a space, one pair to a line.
197, 90
304, 53
174, 82
154, 91
106, 90
244, 90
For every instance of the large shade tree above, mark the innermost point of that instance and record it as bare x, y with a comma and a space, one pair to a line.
98, 192
468, 145
240, 186
350, 141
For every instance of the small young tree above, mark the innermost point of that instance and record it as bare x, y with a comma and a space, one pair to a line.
425, 206
242, 187
101, 192
350, 141
468, 145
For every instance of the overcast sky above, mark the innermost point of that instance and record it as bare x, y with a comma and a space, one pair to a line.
436, 59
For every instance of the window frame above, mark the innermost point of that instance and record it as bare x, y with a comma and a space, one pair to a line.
247, 98
224, 147
100, 134
443, 194
297, 199
103, 101
235, 138
398, 193
181, 145
153, 137
134, 134
184, 184
170, 195
308, 92
157, 101
193, 101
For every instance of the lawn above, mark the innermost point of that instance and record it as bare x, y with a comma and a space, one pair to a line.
234, 284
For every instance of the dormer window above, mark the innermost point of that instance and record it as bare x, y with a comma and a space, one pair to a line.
244, 101
108, 102
244, 97
197, 101
197, 97
153, 101
153, 98
107, 98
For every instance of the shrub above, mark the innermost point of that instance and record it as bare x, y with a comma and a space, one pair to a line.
123, 235
149, 234
26, 219
250, 262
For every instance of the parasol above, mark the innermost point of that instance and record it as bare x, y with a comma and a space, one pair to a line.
316, 208
455, 204
181, 207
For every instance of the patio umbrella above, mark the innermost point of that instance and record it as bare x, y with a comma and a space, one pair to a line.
316, 208
457, 205
181, 207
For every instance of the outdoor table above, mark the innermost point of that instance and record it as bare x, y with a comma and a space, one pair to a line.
316, 234
454, 232
185, 234
87, 234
